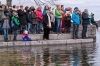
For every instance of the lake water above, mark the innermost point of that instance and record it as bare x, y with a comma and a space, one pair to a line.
57, 55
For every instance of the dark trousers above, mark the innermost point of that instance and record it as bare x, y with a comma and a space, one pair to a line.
75, 31
46, 33
84, 31
33, 28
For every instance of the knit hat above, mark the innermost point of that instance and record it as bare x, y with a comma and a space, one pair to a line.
76, 10
25, 32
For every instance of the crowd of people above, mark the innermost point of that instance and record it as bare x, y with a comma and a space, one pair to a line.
48, 20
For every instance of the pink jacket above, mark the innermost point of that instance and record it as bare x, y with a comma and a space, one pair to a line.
39, 15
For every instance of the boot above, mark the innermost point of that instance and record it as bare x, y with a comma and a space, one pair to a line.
7, 40
66, 30
4, 39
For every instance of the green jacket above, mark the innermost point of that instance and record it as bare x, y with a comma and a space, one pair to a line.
16, 21
58, 13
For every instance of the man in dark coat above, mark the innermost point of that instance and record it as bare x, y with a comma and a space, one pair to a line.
85, 23
22, 18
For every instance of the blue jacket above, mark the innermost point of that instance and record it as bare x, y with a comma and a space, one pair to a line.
44, 12
76, 19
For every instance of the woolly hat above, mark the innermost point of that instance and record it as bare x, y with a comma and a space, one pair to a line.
76, 10
25, 32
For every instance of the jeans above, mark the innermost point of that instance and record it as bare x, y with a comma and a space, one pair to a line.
29, 27
33, 28
23, 27
58, 25
5, 32
75, 31
84, 31
38, 27
15, 32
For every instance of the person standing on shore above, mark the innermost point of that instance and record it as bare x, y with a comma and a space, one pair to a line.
76, 23
6, 24
45, 9
85, 23
46, 25
39, 16
58, 14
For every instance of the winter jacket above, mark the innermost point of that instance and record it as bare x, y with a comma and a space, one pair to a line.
39, 15
6, 23
76, 19
15, 21
58, 13
67, 20
44, 12
34, 18
25, 37
29, 18
85, 19
1, 12
45, 21
22, 17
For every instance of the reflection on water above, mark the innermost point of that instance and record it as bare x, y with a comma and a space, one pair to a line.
64, 55
57, 55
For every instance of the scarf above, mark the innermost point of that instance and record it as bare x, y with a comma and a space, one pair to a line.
49, 24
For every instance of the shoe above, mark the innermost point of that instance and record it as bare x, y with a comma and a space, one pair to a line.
44, 39
6, 39
84, 38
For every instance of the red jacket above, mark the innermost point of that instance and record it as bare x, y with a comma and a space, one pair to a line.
39, 15
63, 15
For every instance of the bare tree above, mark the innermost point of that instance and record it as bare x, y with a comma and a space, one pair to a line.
38, 2
9, 2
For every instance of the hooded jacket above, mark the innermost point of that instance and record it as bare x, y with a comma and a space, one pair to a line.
58, 13
76, 19
39, 15
85, 19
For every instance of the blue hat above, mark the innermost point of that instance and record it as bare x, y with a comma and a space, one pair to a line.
76, 10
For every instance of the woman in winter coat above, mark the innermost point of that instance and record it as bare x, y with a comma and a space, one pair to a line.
46, 25
45, 9
6, 25
39, 15
67, 23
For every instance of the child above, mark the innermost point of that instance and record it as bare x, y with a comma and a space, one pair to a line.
67, 19
25, 36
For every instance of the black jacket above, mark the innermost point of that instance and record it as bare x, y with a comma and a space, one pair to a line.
29, 18
85, 19
45, 21
22, 17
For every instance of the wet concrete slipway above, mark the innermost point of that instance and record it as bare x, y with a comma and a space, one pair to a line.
79, 54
